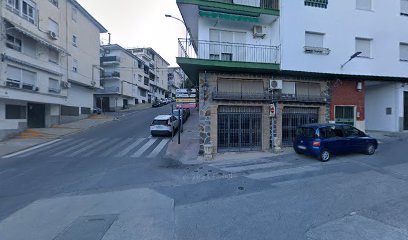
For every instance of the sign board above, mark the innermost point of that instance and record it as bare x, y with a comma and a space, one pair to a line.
186, 100
186, 90
186, 105
272, 110
186, 95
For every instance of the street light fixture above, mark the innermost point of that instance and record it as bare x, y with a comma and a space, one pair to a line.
351, 58
178, 19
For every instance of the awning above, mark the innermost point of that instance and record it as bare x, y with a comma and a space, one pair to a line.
226, 16
39, 39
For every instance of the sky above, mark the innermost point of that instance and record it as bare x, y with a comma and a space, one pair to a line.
140, 23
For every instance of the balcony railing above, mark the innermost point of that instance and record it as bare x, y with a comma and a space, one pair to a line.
110, 75
111, 89
268, 96
110, 60
234, 52
268, 4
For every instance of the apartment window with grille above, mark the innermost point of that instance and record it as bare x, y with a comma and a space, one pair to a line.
75, 65
314, 43
364, 5
16, 112
20, 78
13, 42
317, 3
404, 7
404, 52
363, 45
74, 41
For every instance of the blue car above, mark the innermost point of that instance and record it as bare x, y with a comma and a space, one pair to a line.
323, 140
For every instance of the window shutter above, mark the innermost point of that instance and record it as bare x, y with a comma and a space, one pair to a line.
53, 83
29, 77
363, 46
288, 88
229, 86
252, 86
404, 7
13, 73
53, 26
404, 51
302, 89
314, 40
363, 4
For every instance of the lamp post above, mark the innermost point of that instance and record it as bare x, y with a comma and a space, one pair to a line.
351, 58
178, 19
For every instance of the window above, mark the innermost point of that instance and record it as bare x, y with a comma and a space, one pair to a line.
388, 111
53, 26
14, 5
225, 45
363, 45
28, 11
404, 7
288, 88
364, 5
16, 112
404, 51
344, 114
74, 14
307, 89
317, 3
69, 111
75, 65
30, 47
54, 2
29, 79
13, 42
74, 41
53, 56
314, 43
20, 78
54, 86
140, 77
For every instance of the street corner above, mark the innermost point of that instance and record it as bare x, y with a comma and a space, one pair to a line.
356, 227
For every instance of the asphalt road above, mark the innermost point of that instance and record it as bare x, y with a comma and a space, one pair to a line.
287, 197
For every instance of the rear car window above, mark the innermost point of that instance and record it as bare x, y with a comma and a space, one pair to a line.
159, 122
305, 132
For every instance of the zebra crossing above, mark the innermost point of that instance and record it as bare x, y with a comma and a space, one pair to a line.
263, 170
98, 147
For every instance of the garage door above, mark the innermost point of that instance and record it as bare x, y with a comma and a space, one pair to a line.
292, 117
239, 128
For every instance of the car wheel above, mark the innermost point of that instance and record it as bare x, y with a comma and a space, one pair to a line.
297, 151
324, 155
370, 149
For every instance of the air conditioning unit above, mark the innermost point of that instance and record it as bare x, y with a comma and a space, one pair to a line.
259, 31
52, 35
65, 85
275, 84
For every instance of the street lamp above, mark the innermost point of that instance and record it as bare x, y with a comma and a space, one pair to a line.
178, 19
351, 58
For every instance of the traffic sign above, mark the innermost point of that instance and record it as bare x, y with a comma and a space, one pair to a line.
186, 90
186, 100
186, 105
186, 95
272, 110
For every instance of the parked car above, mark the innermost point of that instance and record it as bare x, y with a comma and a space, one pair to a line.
156, 103
164, 125
163, 102
183, 113
97, 110
323, 140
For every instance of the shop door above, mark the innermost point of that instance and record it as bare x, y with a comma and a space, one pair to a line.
292, 118
36, 115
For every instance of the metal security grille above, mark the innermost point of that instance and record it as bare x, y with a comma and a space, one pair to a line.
292, 118
239, 128
344, 114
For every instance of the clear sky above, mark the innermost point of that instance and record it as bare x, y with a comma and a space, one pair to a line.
140, 23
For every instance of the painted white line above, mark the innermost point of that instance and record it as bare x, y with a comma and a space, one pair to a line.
282, 172
158, 149
32, 148
45, 149
72, 148
144, 148
129, 148
79, 151
102, 147
116, 147
254, 167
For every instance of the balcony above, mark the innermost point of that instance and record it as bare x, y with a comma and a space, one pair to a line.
268, 97
110, 75
110, 60
109, 90
270, 7
200, 55
267, 4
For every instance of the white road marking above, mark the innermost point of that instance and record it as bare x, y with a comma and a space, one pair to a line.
79, 151
102, 147
117, 146
129, 148
143, 148
254, 167
54, 146
158, 148
282, 172
31, 149
72, 148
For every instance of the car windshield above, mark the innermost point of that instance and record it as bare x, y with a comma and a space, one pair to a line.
159, 122
305, 132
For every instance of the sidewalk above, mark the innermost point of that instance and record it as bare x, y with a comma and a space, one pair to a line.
32, 137
187, 151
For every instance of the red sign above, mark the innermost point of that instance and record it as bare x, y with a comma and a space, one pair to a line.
272, 111
186, 105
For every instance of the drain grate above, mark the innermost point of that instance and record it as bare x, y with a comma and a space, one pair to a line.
88, 227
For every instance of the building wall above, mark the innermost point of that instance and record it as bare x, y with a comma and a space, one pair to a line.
344, 93
341, 23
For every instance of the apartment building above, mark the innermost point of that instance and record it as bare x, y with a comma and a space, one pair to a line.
121, 79
49, 63
157, 69
251, 56
175, 79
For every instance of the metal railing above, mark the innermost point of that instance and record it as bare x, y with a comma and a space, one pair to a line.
268, 96
268, 4
223, 51
110, 74
111, 89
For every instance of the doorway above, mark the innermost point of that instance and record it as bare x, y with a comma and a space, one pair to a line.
36, 115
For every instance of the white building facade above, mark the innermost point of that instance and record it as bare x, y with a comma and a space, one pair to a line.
49, 53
